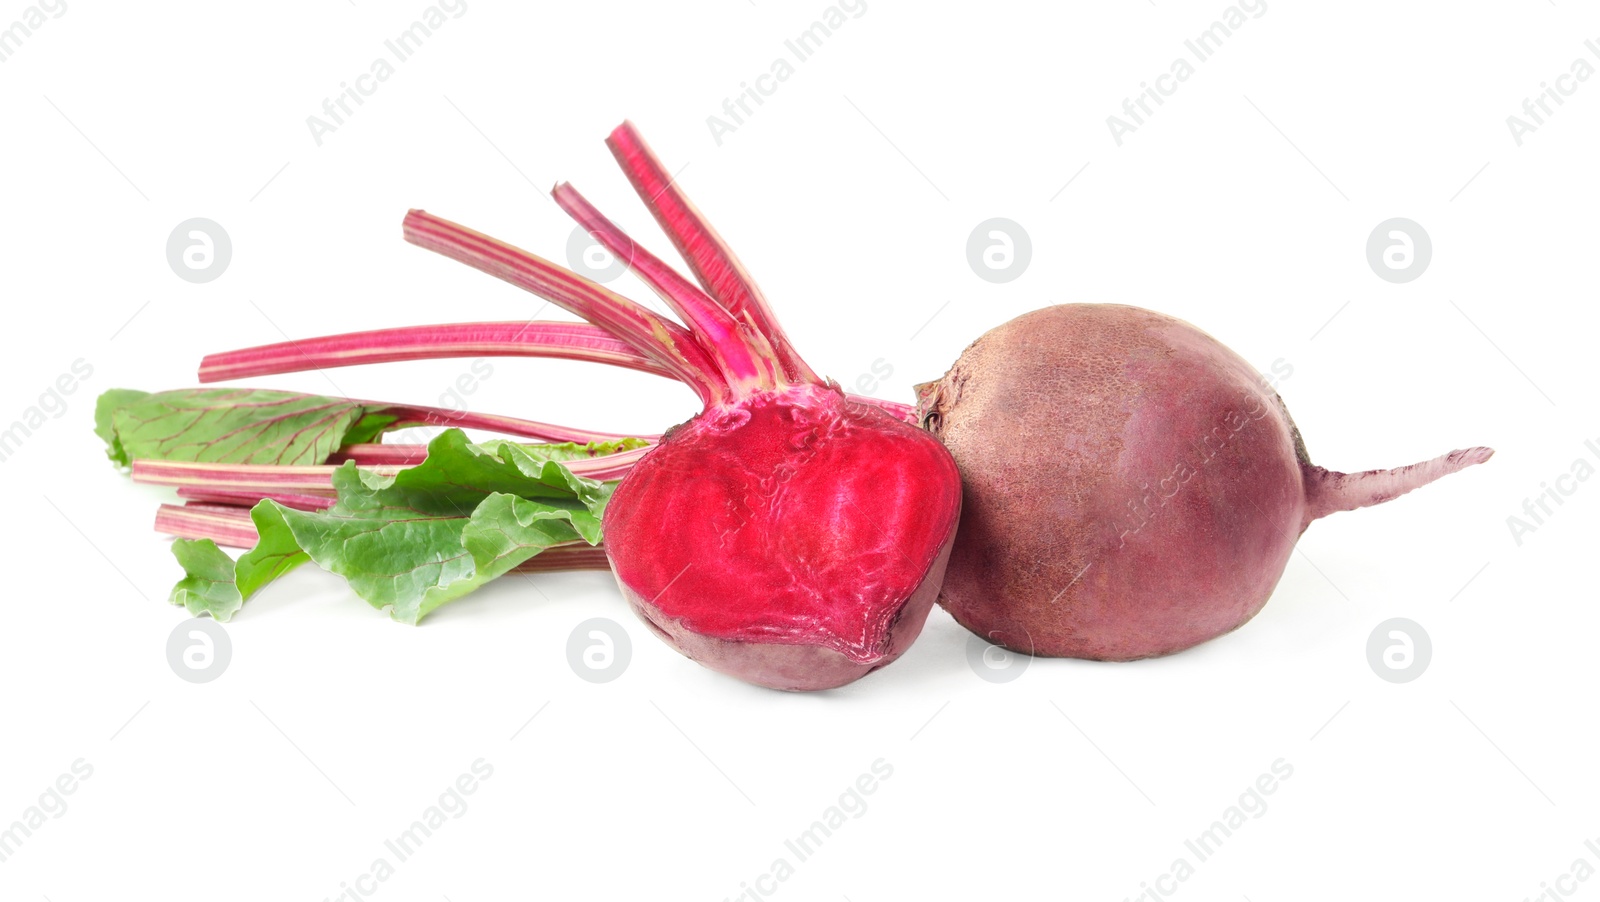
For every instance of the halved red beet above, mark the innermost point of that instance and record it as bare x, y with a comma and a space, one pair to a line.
795, 540
786, 535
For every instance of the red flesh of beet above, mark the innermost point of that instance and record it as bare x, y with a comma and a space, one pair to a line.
1173, 490
794, 540
787, 535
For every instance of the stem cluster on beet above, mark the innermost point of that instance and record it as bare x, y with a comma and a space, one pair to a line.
753, 353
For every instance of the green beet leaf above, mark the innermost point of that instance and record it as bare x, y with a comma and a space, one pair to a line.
105, 409
226, 425
416, 540
218, 585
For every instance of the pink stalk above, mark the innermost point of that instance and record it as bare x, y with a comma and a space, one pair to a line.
215, 507
609, 466
372, 455
535, 338
712, 262
227, 528
411, 415
577, 556
573, 341
199, 495
411, 455
667, 343
744, 353
270, 478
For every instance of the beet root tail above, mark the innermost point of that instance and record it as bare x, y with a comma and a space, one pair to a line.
1328, 492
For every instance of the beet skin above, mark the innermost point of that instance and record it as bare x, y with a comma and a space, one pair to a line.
1131, 487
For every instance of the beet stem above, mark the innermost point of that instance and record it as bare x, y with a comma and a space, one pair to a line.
319, 477
411, 455
414, 415
267, 478
666, 342
744, 355
214, 522
708, 256
197, 497
533, 338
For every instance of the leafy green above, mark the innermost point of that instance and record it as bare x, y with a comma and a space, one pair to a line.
105, 410
406, 543
216, 584
227, 425
416, 540
564, 451
242, 426
369, 428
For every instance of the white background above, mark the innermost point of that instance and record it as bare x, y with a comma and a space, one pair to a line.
1243, 205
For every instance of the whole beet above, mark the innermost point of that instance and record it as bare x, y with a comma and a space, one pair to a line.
1131, 487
